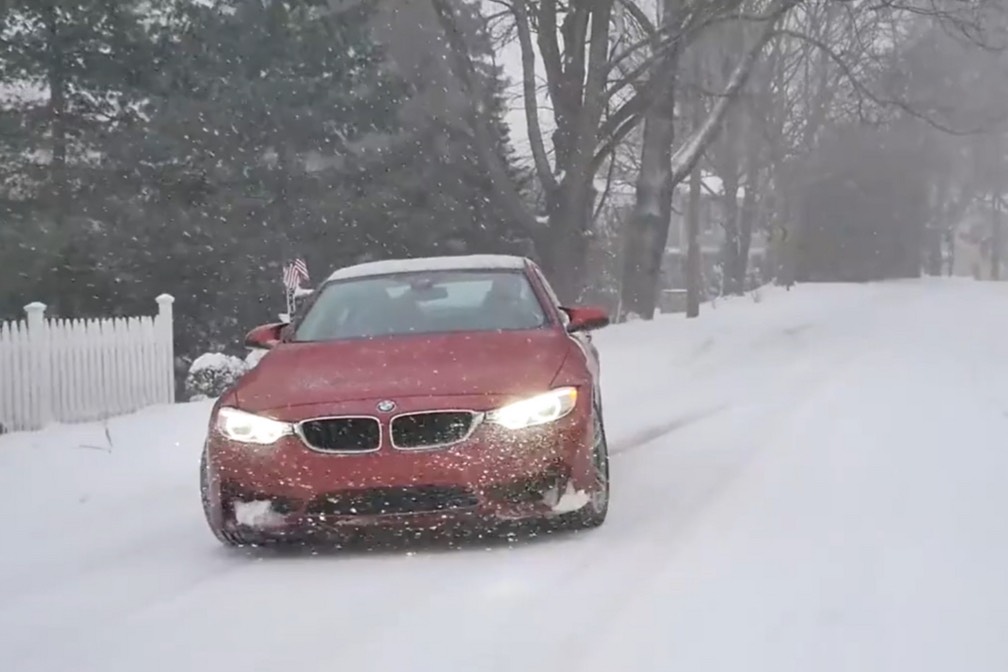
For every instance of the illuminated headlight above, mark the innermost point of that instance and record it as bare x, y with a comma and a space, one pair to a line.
250, 428
538, 410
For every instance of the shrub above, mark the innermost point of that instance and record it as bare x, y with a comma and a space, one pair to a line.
212, 374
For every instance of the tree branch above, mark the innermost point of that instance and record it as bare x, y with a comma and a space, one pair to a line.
863, 91
538, 147
687, 156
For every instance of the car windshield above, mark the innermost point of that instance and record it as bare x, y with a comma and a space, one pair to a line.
422, 303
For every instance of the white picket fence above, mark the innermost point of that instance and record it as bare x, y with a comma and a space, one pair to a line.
56, 370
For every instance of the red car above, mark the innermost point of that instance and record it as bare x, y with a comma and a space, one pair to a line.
413, 393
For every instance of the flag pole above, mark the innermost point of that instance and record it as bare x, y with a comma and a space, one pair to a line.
294, 272
286, 289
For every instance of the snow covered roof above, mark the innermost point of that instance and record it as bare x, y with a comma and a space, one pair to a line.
451, 263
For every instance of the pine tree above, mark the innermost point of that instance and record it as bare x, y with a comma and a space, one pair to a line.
441, 200
257, 142
73, 71
197, 147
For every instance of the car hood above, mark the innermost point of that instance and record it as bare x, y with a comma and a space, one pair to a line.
295, 374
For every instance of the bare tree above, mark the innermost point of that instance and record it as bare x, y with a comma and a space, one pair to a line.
598, 57
662, 170
610, 68
574, 44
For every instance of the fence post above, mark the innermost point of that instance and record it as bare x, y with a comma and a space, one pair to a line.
40, 367
166, 329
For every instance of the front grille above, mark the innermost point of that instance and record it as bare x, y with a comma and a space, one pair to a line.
350, 435
391, 501
429, 430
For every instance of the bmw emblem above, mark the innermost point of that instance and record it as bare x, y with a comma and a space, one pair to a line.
386, 406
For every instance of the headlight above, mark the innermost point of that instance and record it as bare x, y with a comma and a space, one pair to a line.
538, 410
249, 428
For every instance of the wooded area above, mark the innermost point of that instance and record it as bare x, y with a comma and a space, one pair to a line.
168, 145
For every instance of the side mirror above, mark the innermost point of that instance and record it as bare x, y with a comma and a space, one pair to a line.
586, 319
265, 337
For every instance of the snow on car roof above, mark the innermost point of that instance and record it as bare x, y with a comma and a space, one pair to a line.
452, 263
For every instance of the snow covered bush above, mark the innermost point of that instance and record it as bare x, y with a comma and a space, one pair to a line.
211, 374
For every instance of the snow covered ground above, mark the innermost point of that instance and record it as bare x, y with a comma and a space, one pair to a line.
813, 482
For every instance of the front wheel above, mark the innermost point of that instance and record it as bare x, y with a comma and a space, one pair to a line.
594, 513
223, 535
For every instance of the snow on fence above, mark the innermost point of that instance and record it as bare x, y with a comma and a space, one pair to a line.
56, 370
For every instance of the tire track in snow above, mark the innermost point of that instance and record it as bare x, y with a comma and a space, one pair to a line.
554, 605
644, 437
101, 602
147, 526
361, 595
177, 591
505, 575
566, 584
579, 596
778, 438
541, 596
514, 580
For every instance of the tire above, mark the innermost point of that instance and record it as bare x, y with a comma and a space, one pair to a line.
594, 513
229, 539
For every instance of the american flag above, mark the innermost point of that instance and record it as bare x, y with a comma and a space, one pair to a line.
295, 273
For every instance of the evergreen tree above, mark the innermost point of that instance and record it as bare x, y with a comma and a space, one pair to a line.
441, 200
192, 147
73, 72
256, 142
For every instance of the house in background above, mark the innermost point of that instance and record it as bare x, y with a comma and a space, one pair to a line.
973, 246
711, 238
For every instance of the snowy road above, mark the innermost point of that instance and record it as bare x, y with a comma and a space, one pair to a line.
813, 482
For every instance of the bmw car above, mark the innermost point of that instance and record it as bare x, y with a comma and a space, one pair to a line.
413, 393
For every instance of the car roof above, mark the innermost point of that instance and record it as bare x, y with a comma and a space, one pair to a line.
419, 264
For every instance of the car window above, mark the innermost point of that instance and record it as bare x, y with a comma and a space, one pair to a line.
422, 302
551, 294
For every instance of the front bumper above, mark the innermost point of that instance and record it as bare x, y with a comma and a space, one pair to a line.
495, 474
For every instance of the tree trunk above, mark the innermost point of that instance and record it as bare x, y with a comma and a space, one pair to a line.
995, 260
694, 256
950, 250
938, 220
733, 237
789, 217
749, 211
288, 229
746, 220
56, 76
646, 232
576, 78
934, 250
567, 245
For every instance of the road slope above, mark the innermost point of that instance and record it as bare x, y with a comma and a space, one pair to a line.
812, 482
